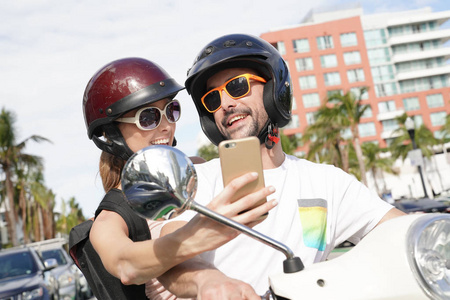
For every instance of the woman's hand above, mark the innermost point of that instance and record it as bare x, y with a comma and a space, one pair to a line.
206, 234
243, 210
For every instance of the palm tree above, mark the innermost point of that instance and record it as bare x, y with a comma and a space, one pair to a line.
375, 163
325, 139
401, 145
348, 110
423, 138
71, 215
289, 143
28, 172
12, 160
445, 130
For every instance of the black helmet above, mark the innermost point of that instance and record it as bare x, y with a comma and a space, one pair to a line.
118, 87
242, 51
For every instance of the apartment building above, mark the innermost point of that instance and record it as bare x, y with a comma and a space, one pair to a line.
402, 58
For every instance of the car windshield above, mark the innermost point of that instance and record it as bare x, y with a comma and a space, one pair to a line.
56, 254
16, 264
410, 205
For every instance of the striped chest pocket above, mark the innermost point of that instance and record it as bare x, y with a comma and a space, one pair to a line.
313, 217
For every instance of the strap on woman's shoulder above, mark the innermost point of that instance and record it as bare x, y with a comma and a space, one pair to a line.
115, 201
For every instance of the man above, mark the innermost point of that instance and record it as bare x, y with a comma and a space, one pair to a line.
241, 87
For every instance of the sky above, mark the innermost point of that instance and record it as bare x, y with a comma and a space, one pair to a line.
49, 50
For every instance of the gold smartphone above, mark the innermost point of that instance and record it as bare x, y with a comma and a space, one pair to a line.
238, 157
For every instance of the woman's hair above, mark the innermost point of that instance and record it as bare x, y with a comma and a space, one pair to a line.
110, 170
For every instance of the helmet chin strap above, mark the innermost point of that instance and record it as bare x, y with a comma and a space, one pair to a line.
116, 144
269, 135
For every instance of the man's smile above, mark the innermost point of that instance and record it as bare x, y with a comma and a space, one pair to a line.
235, 119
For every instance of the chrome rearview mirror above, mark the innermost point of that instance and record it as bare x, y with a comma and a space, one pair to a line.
159, 179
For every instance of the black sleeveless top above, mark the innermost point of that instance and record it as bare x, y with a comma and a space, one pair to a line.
102, 283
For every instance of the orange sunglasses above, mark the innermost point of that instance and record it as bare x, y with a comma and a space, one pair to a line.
237, 87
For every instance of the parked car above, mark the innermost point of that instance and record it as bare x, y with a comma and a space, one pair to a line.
423, 205
67, 274
71, 282
24, 275
445, 199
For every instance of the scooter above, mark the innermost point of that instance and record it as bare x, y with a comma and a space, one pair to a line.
405, 258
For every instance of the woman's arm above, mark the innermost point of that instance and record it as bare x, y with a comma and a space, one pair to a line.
137, 262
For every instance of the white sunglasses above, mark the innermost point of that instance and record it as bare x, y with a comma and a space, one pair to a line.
149, 118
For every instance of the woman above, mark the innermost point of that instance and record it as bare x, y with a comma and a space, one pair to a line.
129, 104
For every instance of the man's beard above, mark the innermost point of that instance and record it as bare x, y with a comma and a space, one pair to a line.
251, 130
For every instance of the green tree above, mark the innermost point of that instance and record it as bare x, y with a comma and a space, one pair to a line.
423, 138
28, 171
325, 139
377, 164
208, 152
401, 145
347, 110
43, 204
445, 130
289, 143
12, 160
71, 215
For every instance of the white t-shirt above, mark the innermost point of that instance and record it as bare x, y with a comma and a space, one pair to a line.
319, 207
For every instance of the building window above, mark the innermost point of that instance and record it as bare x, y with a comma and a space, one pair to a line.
382, 73
367, 113
390, 125
435, 100
311, 100
411, 103
304, 64
378, 56
367, 129
308, 82
416, 47
281, 48
332, 78
301, 45
438, 118
411, 28
352, 58
386, 106
418, 120
294, 103
375, 38
385, 89
325, 42
356, 91
355, 75
334, 92
310, 118
328, 61
422, 84
293, 123
420, 64
348, 39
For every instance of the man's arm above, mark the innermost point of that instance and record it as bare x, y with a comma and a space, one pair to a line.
393, 213
197, 278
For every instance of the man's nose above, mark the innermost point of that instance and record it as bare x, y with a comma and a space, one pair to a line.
227, 101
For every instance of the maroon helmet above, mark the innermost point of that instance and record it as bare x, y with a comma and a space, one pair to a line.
117, 88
